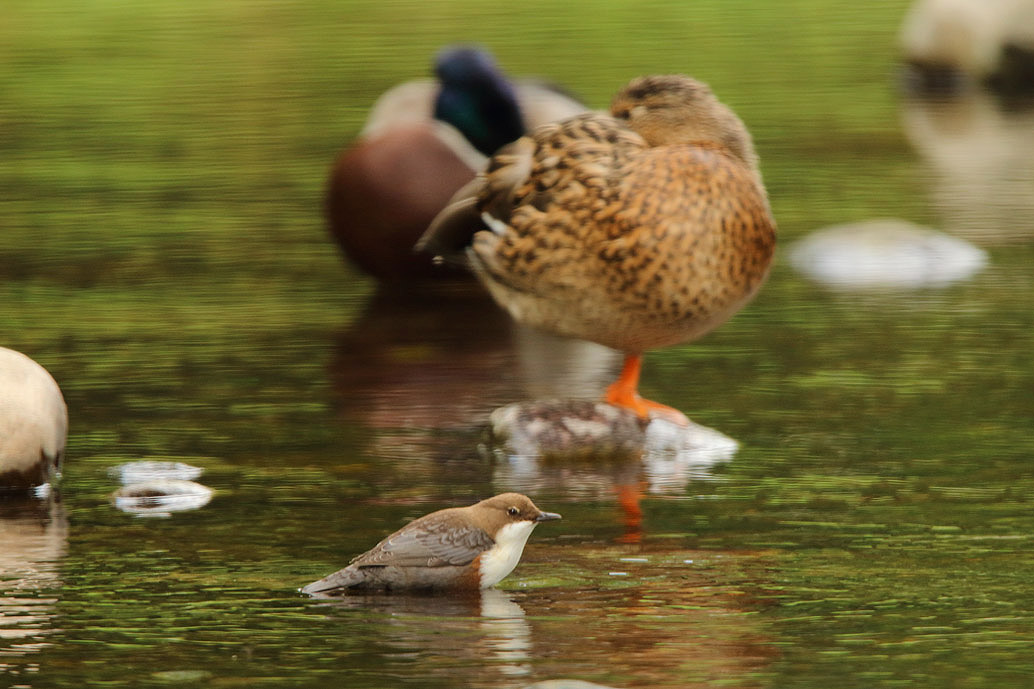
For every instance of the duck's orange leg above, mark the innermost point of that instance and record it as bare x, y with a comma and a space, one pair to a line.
624, 393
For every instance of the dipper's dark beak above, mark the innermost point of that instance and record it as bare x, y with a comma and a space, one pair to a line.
547, 516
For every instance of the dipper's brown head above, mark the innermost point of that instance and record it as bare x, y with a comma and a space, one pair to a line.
509, 519
493, 514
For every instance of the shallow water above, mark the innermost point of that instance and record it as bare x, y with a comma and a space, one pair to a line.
163, 256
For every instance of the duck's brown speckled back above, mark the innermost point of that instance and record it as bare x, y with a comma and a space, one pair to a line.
637, 230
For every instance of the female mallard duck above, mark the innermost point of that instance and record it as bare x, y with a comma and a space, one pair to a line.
423, 140
33, 423
641, 229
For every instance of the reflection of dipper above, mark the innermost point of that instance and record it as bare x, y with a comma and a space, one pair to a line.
471, 547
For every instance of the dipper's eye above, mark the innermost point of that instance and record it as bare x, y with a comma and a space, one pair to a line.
512, 511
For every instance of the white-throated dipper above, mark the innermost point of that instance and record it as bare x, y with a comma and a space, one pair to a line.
469, 548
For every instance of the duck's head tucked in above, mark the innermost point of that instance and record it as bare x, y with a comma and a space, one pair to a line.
672, 109
640, 229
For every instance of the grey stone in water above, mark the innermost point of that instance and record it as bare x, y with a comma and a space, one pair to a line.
531, 435
569, 428
887, 254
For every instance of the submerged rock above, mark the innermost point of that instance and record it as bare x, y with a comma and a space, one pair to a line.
885, 254
571, 428
594, 446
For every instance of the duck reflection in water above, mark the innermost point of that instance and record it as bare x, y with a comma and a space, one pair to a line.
444, 355
979, 150
33, 540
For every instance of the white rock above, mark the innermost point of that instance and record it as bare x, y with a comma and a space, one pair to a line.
885, 254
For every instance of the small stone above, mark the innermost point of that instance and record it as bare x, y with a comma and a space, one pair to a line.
887, 254
572, 428
161, 497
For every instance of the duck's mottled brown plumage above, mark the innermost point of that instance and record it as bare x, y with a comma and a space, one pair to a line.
640, 229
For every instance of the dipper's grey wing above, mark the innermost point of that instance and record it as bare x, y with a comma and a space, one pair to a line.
334, 584
428, 543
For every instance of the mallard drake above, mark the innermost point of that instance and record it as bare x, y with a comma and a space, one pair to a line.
422, 141
640, 229
33, 423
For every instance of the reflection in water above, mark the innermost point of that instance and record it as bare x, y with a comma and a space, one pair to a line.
33, 539
980, 152
161, 497
485, 629
507, 635
673, 617
588, 448
426, 358
952, 45
675, 456
553, 366
158, 488
445, 355
676, 618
